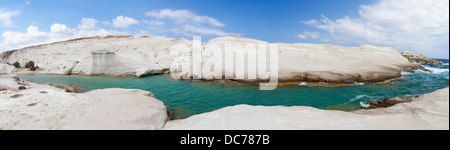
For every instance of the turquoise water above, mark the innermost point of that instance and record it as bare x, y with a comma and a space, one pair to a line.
186, 98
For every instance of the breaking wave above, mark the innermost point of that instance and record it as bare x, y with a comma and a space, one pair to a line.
364, 105
436, 70
357, 98
405, 73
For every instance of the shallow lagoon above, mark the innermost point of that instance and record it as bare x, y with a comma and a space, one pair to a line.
187, 97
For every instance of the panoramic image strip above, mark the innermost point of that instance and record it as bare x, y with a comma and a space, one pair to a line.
224, 65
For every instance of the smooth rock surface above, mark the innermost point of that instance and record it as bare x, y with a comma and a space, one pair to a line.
6, 69
430, 111
308, 62
47, 107
141, 56
112, 55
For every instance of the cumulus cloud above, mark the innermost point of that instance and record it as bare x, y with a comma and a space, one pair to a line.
88, 27
124, 22
87, 24
403, 24
58, 32
187, 22
5, 17
106, 23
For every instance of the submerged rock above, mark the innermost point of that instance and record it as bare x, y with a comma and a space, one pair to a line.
391, 101
69, 88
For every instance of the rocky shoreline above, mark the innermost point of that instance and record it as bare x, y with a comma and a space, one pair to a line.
143, 56
47, 107
427, 112
26, 105
42, 107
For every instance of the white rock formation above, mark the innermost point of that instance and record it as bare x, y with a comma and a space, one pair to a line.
430, 111
134, 56
48, 107
140, 56
6, 69
329, 63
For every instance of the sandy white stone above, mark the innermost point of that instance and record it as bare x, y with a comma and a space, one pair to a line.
48, 107
141, 56
430, 111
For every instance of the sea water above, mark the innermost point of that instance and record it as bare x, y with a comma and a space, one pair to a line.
185, 98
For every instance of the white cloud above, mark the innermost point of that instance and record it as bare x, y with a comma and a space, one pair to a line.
310, 22
184, 16
87, 24
58, 32
106, 23
88, 27
28, 2
312, 35
5, 17
186, 22
403, 24
61, 29
153, 22
124, 22
206, 31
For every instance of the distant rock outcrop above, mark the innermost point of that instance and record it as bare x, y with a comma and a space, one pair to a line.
408, 54
421, 59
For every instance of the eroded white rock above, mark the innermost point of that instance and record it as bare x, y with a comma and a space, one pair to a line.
141, 56
6, 69
47, 107
430, 111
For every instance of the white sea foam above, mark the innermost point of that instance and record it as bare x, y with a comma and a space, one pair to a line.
405, 73
302, 84
359, 83
435, 70
357, 97
364, 105
445, 64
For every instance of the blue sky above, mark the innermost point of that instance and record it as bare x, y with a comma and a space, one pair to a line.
419, 26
